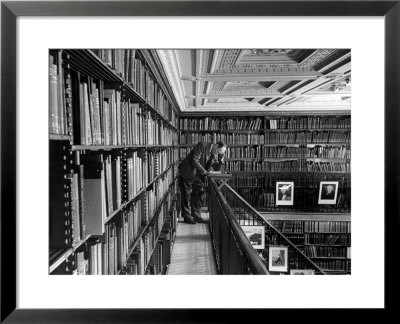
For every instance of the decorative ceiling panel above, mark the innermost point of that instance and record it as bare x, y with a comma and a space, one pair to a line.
259, 79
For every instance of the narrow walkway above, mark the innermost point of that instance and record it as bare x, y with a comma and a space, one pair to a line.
192, 252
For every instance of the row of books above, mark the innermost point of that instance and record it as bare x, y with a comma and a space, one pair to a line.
281, 152
212, 123
161, 257
103, 118
157, 192
244, 152
247, 181
158, 134
59, 96
144, 166
100, 116
137, 172
137, 262
309, 122
103, 258
111, 257
159, 161
95, 191
118, 60
296, 239
341, 239
321, 152
288, 226
135, 72
327, 226
260, 199
287, 166
328, 152
323, 137
267, 166
334, 264
312, 166
101, 190
305, 122
134, 218
314, 251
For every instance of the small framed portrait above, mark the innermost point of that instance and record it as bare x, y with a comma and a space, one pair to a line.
284, 193
302, 272
328, 192
278, 258
256, 236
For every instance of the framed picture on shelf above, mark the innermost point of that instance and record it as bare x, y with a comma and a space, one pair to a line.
302, 272
256, 236
328, 192
278, 258
284, 193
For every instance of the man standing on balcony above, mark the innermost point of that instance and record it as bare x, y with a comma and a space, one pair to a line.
193, 170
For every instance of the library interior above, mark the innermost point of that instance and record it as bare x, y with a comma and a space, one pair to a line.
199, 161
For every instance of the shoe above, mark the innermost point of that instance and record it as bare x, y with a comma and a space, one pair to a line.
188, 220
200, 220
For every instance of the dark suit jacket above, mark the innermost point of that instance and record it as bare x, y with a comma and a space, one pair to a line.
194, 164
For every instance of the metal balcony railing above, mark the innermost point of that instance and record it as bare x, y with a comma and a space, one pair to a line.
245, 243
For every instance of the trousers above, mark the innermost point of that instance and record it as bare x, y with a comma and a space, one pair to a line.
192, 196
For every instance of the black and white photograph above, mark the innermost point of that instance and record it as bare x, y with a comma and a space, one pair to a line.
328, 192
256, 236
284, 193
175, 139
278, 258
156, 151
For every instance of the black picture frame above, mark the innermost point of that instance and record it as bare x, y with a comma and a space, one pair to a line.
11, 10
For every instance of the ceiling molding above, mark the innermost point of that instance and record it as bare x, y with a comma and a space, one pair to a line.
239, 79
230, 108
170, 62
199, 54
242, 94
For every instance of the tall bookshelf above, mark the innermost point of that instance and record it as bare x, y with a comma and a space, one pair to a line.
113, 163
303, 148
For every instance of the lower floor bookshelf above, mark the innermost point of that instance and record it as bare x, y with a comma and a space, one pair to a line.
324, 238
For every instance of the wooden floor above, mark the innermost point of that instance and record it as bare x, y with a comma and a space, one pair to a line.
192, 252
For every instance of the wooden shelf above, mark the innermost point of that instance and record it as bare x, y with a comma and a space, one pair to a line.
301, 216
291, 172
117, 147
280, 144
251, 131
330, 258
61, 257
287, 159
306, 232
333, 245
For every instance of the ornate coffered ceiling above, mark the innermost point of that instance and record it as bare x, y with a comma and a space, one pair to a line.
259, 79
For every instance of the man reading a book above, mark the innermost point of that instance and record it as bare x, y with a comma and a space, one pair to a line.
202, 160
